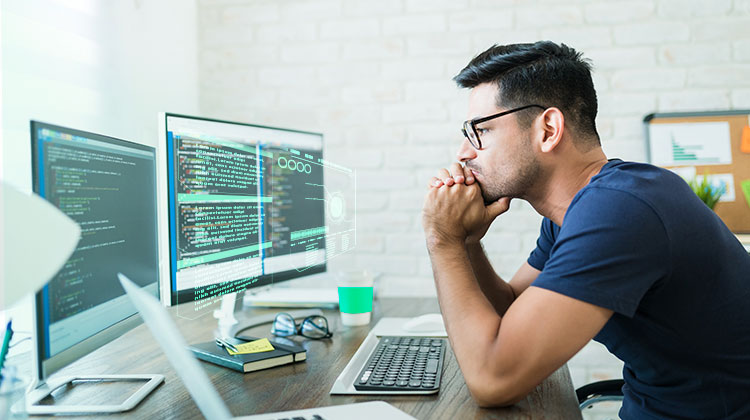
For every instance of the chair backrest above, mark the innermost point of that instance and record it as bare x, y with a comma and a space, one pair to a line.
595, 392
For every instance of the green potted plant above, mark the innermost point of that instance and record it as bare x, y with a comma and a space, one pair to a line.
708, 193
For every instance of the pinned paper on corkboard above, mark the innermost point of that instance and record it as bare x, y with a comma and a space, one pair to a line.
745, 143
746, 190
711, 143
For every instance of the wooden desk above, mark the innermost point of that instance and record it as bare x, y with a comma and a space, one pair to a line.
302, 385
744, 239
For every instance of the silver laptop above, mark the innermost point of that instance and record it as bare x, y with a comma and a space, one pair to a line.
197, 383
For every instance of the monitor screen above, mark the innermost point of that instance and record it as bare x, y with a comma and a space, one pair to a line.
107, 186
246, 206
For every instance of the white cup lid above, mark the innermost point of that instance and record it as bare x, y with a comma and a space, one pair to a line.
356, 278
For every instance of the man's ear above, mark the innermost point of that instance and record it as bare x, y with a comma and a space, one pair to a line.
552, 124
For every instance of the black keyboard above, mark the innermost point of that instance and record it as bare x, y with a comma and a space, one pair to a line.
404, 364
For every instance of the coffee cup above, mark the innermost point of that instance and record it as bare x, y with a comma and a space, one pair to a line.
355, 290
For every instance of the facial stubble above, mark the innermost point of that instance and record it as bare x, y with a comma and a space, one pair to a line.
513, 179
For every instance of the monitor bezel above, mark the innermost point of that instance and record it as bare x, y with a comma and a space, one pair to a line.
264, 280
43, 366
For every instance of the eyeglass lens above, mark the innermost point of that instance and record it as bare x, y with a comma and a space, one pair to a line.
284, 325
470, 134
314, 327
311, 327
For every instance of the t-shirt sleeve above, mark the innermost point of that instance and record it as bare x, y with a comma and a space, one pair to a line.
611, 249
540, 254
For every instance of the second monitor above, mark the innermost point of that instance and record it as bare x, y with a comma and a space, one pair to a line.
246, 206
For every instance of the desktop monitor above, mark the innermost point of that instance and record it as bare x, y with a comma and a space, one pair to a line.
246, 206
108, 187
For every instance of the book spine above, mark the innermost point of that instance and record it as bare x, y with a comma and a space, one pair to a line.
208, 357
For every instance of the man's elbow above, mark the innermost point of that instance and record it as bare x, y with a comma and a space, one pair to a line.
494, 391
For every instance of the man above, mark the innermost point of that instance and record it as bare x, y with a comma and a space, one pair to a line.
627, 254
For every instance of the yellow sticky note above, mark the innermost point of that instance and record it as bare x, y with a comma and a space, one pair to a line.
257, 346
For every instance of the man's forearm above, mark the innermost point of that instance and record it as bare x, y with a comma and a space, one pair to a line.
498, 292
471, 321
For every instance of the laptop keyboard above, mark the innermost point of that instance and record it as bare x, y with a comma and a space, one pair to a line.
403, 364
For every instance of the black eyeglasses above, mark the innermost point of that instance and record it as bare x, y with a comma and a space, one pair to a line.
315, 327
470, 126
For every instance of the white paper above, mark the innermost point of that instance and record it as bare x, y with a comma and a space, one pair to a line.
721, 180
684, 144
686, 172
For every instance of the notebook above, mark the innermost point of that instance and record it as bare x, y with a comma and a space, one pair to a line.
204, 394
281, 355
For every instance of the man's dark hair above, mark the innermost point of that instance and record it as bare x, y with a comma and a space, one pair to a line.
542, 73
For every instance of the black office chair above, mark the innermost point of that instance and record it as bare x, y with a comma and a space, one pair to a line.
595, 392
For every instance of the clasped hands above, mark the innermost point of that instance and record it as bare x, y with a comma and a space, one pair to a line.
454, 211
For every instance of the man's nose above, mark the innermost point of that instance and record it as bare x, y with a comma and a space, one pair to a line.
466, 151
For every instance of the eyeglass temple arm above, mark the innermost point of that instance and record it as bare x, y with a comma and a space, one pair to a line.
500, 114
257, 320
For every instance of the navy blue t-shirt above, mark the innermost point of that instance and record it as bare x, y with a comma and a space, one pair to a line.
638, 241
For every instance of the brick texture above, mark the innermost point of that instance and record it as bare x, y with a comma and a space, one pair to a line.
374, 77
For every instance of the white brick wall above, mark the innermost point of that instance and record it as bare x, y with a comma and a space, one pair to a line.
374, 76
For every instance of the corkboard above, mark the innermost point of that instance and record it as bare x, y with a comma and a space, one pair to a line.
736, 214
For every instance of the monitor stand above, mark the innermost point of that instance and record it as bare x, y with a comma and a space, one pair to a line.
40, 391
229, 326
225, 314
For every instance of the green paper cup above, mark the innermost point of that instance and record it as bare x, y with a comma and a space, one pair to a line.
355, 297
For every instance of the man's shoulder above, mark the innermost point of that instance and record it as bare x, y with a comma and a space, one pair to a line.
635, 177
622, 183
